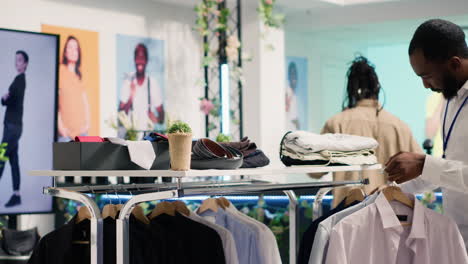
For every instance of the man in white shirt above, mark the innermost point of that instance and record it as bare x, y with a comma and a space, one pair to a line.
141, 94
439, 55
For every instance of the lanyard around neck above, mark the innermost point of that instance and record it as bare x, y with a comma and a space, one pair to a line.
449, 133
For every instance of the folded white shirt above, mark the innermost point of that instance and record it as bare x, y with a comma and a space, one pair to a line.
306, 142
363, 157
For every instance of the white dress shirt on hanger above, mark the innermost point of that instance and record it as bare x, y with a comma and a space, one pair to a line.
375, 235
268, 245
322, 236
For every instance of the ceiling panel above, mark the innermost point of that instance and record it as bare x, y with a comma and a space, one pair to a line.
312, 15
186, 3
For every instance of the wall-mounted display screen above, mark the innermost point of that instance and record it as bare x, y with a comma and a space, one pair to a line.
28, 92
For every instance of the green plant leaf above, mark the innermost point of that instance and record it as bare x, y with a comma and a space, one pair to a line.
223, 138
211, 126
179, 127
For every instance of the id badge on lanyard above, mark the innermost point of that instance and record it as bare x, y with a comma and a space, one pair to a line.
446, 138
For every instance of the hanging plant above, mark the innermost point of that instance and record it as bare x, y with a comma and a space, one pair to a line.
270, 19
210, 108
223, 138
268, 16
223, 17
213, 21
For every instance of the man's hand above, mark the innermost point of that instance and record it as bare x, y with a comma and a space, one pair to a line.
5, 97
405, 166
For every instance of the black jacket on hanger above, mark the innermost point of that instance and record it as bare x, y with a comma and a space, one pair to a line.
188, 241
147, 243
109, 249
167, 240
57, 247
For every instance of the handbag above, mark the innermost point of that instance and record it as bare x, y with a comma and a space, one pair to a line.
19, 243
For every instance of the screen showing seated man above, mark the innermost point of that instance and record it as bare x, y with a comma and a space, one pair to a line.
28, 87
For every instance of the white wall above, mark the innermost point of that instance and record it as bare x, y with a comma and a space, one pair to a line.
138, 18
264, 92
304, 17
329, 52
328, 61
43, 222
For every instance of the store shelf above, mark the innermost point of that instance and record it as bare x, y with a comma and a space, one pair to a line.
204, 173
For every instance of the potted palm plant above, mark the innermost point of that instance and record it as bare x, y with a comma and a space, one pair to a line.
180, 145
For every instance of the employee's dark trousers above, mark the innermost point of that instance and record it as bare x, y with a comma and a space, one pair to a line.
11, 135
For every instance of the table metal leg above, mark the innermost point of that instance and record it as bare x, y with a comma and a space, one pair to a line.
96, 219
293, 241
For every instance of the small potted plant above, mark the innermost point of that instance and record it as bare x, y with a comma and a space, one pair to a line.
180, 145
223, 138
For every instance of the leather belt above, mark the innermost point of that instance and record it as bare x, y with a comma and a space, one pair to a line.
207, 154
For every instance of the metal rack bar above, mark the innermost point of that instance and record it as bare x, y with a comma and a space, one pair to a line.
255, 188
205, 173
227, 187
159, 186
317, 205
293, 205
96, 239
14, 258
123, 234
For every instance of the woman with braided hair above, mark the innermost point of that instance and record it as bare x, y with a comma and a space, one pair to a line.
362, 115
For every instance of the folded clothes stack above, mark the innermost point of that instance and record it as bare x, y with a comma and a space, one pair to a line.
253, 157
306, 148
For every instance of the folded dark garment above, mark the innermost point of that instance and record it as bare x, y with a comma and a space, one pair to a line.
207, 154
2, 252
290, 162
244, 146
19, 243
156, 137
256, 159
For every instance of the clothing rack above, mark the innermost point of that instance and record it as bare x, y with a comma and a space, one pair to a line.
154, 192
